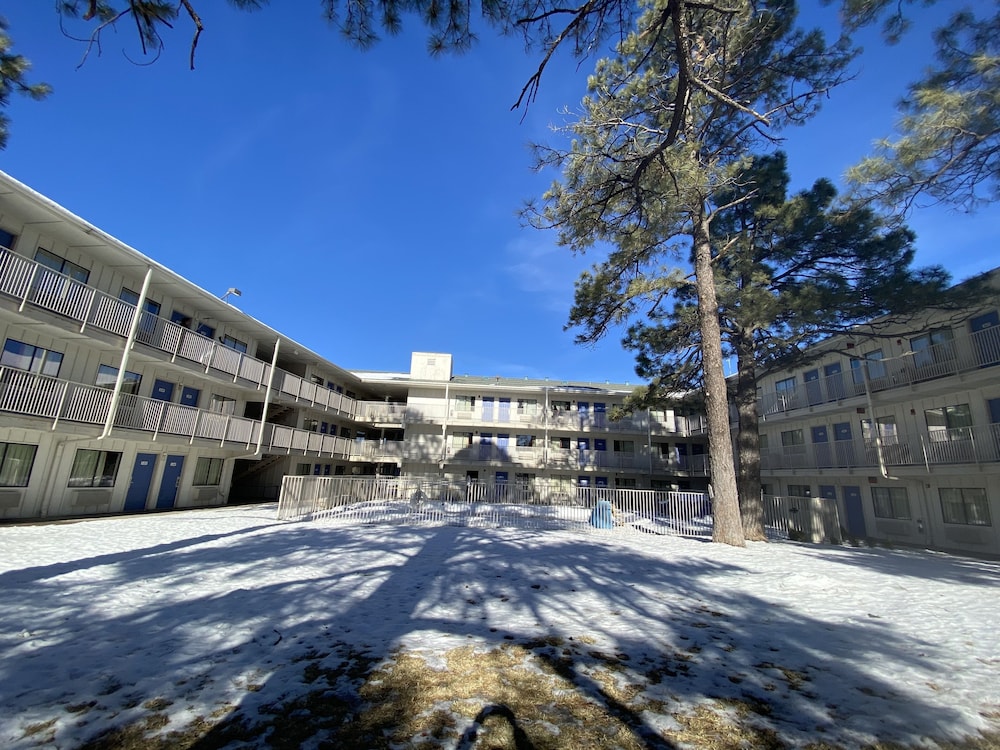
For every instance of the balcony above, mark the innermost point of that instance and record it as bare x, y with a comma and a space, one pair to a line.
963, 354
962, 445
29, 282
40, 396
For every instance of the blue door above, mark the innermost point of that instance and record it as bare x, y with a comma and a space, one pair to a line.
486, 446
834, 381
821, 446
994, 406
163, 390
844, 444
487, 408
855, 512
142, 477
600, 415
504, 410
503, 443
189, 396
170, 481
814, 389
583, 411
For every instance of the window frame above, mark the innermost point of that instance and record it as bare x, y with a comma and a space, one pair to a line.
103, 471
891, 503
10, 477
38, 353
207, 469
982, 504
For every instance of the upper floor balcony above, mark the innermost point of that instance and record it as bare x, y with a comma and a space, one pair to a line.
941, 447
54, 400
30, 283
960, 354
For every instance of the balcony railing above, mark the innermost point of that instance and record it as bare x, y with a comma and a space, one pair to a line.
963, 445
962, 354
31, 283
41, 396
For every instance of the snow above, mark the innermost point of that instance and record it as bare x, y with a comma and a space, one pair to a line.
208, 608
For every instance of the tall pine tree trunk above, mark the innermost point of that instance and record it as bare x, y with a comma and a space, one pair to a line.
748, 438
727, 527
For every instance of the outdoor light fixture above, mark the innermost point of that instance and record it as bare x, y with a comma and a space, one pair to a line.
231, 291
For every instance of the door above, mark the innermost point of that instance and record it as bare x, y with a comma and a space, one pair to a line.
844, 443
189, 396
994, 406
503, 445
855, 513
986, 338
814, 390
834, 381
821, 446
486, 446
170, 481
600, 416
583, 412
163, 390
142, 477
487, 408
504, 415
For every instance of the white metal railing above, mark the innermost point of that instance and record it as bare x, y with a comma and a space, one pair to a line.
964, 353
961, 445
538, 505
30, 282
33, 395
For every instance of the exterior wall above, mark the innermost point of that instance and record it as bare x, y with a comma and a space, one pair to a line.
930, 474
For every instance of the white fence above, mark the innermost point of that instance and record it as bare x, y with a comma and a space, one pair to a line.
370, 500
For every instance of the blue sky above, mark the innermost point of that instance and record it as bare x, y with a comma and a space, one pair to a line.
366, 202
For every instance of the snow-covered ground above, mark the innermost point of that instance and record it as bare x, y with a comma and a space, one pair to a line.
186, 613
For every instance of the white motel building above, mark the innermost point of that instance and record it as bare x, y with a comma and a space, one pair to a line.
126, 388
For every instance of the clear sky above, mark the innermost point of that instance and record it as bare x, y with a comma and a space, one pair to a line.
366, 202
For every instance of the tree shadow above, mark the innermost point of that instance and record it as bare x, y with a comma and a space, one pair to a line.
242, 624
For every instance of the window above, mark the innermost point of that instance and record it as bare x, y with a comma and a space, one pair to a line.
785, 386
876, 369
60, 265
461, 440
16, 460
799, 490
527, 407
624, 446
23, 356
7, 239
127, 295
303, 470
222, 404
107, 375
525, 441
345, 432
561, 406
891, 502
887, 429
565, 443
465, 403
933, 347
310, 425
94, 468
763, 442
792, 437
623, 483
241, 346
181, 319
949, 423
208, 471
525, 480
966, 505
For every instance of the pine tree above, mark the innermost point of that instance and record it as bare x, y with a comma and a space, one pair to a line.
666, 134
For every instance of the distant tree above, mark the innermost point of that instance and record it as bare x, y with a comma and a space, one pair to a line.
948, 144
14, 78
665, 137
789, 273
